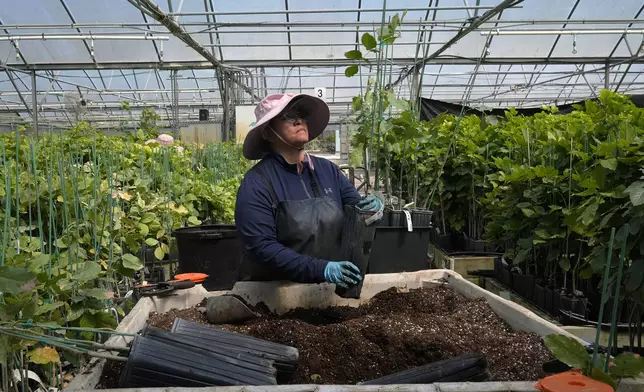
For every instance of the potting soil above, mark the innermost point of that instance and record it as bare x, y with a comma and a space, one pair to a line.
395, 331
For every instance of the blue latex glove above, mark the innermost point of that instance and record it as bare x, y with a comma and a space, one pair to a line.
342, 273
370, 203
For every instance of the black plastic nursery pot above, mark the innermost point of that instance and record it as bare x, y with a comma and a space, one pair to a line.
574, 304
549, 296
421, 218
356, 246
396, 249
539, 296
211, 249
154, 363
505, 277
523, 285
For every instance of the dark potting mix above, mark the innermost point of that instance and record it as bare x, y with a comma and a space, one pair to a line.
394, 331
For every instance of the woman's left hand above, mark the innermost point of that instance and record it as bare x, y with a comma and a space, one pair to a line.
370, 203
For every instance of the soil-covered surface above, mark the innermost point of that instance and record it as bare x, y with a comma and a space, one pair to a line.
393, 332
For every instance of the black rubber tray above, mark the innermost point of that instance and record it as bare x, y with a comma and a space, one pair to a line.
285, 357
152, 363
235, 358
466, 367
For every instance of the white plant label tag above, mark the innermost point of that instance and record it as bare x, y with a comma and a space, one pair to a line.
410, 227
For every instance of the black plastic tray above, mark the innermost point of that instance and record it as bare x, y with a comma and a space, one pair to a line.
460, 368
152, 363
243, 360
285, 357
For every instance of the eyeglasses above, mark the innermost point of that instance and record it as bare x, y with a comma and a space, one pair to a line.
293, 116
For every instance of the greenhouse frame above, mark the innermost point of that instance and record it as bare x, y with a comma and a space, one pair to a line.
489, 53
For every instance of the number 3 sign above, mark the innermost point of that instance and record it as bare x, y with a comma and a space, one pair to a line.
320, 92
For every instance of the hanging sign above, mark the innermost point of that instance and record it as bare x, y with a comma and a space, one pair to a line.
320, 92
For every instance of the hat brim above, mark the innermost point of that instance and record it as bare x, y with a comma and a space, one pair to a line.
255, 146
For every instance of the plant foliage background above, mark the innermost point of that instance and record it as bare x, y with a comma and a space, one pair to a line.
77, 209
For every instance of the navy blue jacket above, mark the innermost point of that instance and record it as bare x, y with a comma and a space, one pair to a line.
255, 221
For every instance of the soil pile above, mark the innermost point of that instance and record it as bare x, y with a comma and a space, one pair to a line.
395, 331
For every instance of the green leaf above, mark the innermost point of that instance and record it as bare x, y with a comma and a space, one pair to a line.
75, 313
369, 42
159, 253
151, 241
60, 243
589, 213
635, 275
132, 262
395, 22
38, 261
586, 273
194, 220
46, 308
521, 256
356, 103
97, 293
351, 70
627, 365
86, 271
528, 212
599, 174
143, 229
636, 193
610, 163
567, 350
564, 263
353, 55
148, 217
599, 375
15, 280
541, 233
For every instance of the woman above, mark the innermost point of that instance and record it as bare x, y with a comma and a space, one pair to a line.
289, 210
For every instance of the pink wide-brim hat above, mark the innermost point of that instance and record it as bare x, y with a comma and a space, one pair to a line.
255, 146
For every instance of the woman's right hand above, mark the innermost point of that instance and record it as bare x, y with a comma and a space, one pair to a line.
342, 273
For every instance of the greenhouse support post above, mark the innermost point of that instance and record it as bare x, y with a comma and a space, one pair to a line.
34, 102
607, 76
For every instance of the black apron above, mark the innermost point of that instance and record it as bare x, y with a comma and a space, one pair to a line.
311, 227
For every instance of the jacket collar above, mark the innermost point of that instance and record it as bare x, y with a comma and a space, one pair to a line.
297, 167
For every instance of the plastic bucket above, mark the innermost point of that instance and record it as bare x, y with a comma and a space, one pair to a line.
211, 249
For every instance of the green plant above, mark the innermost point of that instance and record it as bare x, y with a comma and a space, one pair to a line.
76, 209
607, 369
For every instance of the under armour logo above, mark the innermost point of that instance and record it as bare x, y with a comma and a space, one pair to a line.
328, 190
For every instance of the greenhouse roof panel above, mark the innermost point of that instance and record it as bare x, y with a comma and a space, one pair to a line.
536, 52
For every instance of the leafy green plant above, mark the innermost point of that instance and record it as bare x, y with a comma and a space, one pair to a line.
574, 354
386, 35
78, 207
